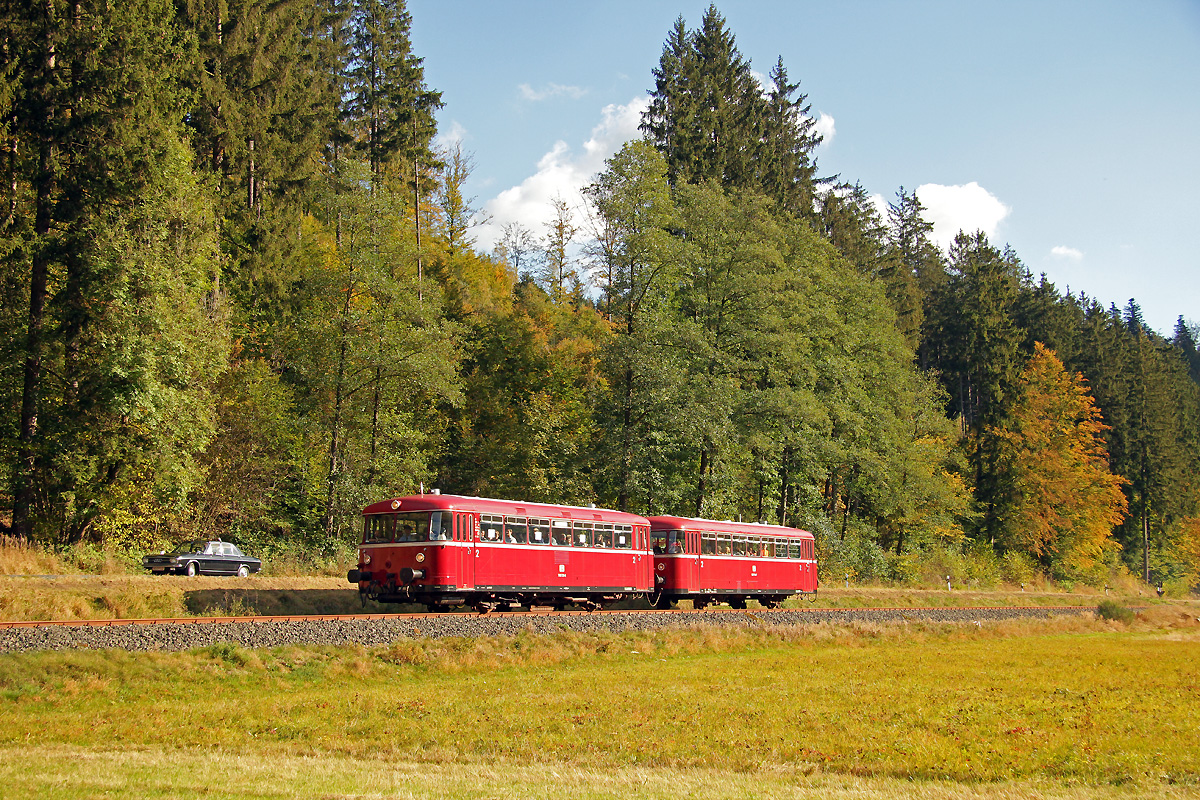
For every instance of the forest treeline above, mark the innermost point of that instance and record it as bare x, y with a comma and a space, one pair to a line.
242, 296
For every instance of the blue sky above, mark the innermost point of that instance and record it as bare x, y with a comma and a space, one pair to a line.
1070, 130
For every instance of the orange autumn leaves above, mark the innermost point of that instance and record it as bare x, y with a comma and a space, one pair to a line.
1064, 501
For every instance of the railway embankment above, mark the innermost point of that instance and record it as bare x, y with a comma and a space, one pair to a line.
369, 630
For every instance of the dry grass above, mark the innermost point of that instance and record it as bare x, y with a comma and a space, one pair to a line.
19, 558
142, 596
70, 772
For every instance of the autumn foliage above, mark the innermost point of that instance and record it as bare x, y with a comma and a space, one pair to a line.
1064, 501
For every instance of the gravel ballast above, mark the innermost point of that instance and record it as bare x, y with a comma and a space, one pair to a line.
387, 629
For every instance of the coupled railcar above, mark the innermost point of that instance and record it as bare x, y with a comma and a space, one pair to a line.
450, 550
707, 561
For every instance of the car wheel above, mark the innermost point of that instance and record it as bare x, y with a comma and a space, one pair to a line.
243, 571
193, 569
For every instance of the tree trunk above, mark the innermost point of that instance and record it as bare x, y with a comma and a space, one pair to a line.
626, 441
25, 469
784, 480
339, 399
1145, 542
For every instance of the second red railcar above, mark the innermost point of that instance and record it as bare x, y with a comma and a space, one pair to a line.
708, 561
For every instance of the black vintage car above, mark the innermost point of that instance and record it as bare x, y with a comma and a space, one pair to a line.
198, 557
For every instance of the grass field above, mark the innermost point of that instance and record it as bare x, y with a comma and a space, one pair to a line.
1063, 708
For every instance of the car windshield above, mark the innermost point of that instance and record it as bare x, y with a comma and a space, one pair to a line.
187, 547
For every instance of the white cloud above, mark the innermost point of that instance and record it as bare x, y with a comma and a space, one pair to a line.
825, 127
881, 206
562, 172
960, 208
550, 90
456, 135
1066, 253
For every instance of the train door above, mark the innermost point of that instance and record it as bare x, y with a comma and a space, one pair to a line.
464, 549
692, 561
646, 561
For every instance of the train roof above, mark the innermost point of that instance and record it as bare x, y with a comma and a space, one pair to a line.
726, 526
487, 505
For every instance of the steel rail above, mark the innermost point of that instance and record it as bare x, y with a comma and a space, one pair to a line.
105, 623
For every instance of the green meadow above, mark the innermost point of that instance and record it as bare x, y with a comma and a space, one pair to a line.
1062, 708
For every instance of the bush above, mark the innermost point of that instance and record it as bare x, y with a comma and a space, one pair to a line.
1019, 569
856, 554
1110, 609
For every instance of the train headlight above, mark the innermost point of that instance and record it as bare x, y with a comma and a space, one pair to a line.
420, 557
366, 559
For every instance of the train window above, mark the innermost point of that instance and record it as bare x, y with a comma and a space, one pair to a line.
708, 544
376, 529
440, 526
660, 541
723, 544
491, 528
560, 532
411, 527
794, 550
739, 545
582, 534
676, 542
781, 548
752, 546
623, 536
515, 530
604, 535
539, 531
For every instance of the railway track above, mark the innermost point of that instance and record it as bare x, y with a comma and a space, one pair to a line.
383, 629
105, 623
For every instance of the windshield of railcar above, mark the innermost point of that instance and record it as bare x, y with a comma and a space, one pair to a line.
410, 526
668, 542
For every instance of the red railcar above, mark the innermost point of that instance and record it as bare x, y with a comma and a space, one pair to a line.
707, 561
447, 550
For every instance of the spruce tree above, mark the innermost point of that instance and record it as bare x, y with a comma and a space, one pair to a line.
710, 119
786, 163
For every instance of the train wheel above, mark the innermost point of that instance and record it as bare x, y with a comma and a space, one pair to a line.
700, 603
768, 602
737, 602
